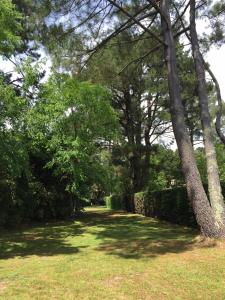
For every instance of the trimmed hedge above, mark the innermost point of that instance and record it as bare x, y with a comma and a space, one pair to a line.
115, 202
171, 205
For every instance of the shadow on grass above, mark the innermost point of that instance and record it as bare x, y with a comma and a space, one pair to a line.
134, 236
124, 235
41, 241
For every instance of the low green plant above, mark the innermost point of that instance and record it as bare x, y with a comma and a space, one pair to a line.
115, 202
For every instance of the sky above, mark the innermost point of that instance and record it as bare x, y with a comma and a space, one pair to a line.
216, 58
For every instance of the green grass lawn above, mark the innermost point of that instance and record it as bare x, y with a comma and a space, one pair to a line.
106, 255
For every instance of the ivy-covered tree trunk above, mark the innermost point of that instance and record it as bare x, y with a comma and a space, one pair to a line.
215, 192
203, 211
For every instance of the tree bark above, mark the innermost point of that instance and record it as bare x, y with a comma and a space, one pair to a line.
215, 191
203, 211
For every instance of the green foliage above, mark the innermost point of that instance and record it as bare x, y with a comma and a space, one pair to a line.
201, 162
217, 16
220, 150
12, 140
12, 106
50, 147
171, 205
73, 120
10, 24
33, 197
32, 72
114, 202
25, 196
138, 96
10, 206
59, 140
165, 168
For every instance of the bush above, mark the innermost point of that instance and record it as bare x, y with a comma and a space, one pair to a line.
23, 202
170, 205
11, 208
129, 202
85, 202
115, 202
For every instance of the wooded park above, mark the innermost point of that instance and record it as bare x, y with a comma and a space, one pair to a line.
112, 150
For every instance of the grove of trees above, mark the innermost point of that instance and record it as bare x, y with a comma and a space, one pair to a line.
128, 81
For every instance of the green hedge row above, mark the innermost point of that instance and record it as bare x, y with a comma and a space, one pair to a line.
36, 203
115, 202
170, 205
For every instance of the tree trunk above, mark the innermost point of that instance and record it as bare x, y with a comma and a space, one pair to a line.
203, 211
215, 192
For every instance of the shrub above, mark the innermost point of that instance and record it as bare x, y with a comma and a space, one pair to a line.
115, 202
11, 209
85, 202
171, 205
32, 201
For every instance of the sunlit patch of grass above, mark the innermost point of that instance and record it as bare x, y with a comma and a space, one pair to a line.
110, 255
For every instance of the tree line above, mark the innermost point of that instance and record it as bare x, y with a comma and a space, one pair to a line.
125, 76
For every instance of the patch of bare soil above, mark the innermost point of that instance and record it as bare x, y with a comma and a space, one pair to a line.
207, 242
2, 286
